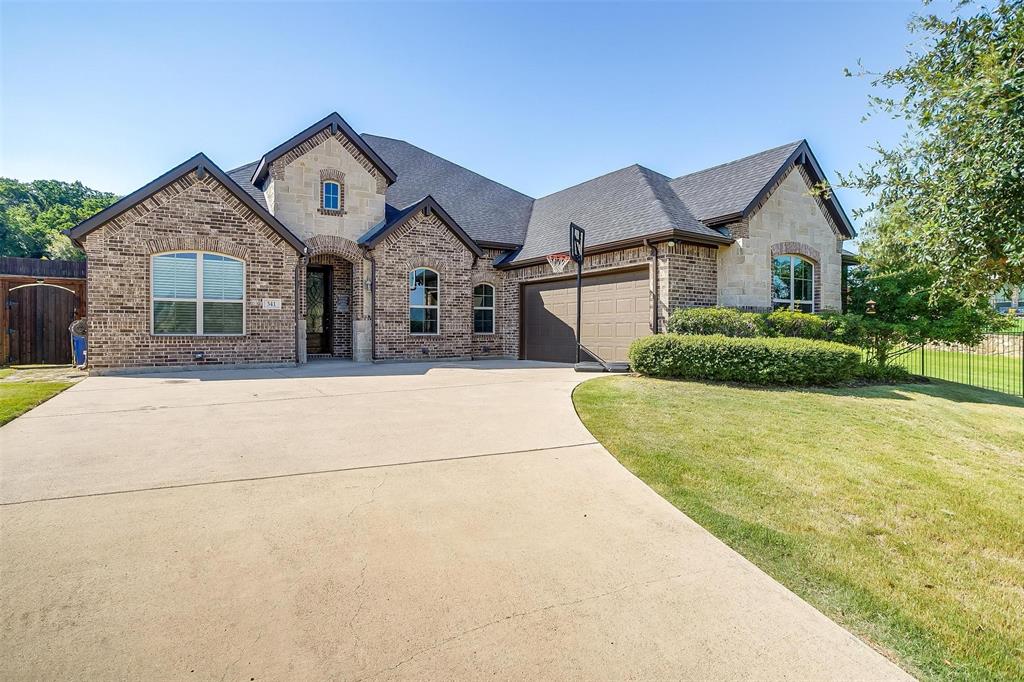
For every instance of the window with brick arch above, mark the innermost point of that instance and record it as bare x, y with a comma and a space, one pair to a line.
793, 283
483, 309
332, 196
424, 301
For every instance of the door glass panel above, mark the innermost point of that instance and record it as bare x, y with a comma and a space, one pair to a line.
315, 301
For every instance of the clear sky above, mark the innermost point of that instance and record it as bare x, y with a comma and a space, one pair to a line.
538, 96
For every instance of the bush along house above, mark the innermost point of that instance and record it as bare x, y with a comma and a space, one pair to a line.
336, 244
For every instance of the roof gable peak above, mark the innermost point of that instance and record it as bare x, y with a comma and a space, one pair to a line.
201, 165
336, 124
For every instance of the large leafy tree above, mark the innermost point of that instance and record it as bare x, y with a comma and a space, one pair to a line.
33, 214
957, 176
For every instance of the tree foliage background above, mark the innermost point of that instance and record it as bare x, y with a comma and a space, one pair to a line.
32, 215
951, 192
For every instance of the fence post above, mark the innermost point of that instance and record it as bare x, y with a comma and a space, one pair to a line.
1022, 363
922, 358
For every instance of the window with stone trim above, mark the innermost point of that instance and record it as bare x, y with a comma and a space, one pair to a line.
424, 301
197, 293
483, 309
793, 283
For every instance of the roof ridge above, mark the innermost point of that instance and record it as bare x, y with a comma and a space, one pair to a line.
658, 198
795, 143
596, 177
448, 161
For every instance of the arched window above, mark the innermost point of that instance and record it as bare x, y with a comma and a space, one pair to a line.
424, 295
194, 292
332, 195
483, 309
793, 283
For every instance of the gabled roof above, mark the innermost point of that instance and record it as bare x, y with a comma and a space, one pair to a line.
398, 217
732, 191
627, 204
335, 122
201, 164
490, 212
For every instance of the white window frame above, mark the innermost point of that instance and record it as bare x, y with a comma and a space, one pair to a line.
494, 294
437, 306
198, 300
792, 302
323, 193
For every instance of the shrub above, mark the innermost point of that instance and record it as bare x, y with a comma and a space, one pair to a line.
885, 374
748, 360
796, 324
705, 321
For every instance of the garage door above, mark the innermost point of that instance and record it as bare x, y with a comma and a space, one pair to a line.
616, 310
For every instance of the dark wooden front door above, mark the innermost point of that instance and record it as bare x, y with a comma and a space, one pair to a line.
39, 318
318, 310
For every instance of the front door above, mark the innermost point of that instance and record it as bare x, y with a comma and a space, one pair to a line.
318, 317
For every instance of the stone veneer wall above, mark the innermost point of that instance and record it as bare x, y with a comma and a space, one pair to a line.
293, 191
189, 214
790, 214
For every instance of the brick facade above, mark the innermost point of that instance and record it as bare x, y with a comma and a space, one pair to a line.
189, 214
424, 241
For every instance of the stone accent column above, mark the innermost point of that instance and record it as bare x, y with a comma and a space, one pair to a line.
362, 323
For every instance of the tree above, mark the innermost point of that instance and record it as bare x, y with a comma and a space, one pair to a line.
32, 216
894, 305
957, 176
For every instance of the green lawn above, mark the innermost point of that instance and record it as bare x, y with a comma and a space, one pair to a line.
18, 397
896, 510
996, 372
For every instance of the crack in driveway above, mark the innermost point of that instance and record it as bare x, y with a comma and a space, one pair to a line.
515, 615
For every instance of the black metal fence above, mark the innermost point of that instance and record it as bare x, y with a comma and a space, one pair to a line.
996, 363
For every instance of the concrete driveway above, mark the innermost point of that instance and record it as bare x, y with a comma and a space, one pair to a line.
417, 521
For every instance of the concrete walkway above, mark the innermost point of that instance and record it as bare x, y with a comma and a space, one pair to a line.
416, 521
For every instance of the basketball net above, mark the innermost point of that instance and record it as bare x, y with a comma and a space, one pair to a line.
558, 261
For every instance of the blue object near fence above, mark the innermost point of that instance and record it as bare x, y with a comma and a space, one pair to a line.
78, 346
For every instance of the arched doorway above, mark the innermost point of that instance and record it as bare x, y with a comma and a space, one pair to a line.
39, 316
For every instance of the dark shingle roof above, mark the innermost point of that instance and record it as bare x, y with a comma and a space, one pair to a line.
243, 176
394, 219
487, 210
728, 189
629, 203
625, 204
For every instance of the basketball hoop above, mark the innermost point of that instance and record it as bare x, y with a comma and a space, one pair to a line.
558, 261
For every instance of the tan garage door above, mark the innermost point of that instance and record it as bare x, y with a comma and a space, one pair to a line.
616, 310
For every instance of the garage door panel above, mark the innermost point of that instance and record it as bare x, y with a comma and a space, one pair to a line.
615, 308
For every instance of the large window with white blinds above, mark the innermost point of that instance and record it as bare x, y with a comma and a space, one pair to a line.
197, 293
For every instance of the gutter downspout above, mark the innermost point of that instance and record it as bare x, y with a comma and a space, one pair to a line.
373, 303
300, 266
657, 300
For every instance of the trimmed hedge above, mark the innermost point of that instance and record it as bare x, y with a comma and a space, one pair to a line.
748, 360
705, 321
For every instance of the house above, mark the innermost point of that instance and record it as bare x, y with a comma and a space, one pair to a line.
336, 244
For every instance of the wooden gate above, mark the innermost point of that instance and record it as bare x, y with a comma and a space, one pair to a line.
38, 318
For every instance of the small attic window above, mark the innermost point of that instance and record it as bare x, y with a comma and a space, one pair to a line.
332, 196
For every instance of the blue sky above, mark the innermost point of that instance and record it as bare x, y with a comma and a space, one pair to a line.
538, 96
